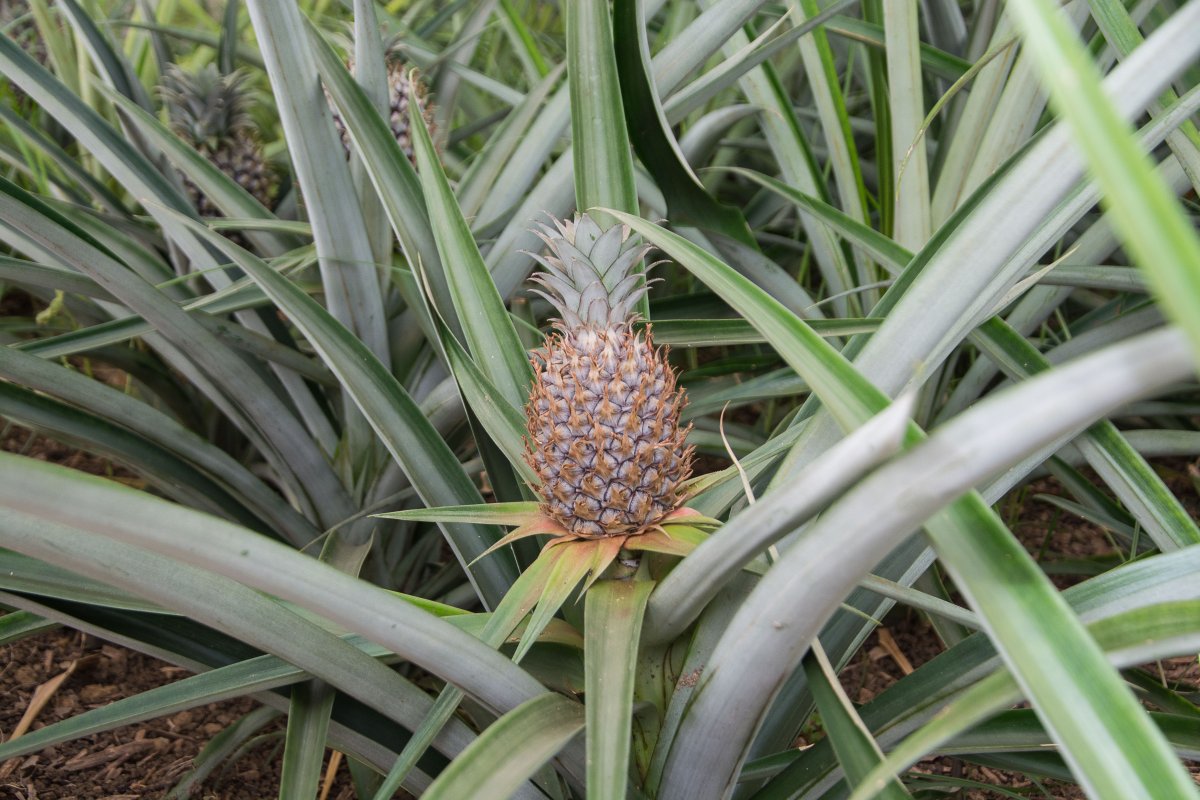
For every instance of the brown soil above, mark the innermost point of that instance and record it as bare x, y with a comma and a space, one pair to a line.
137, 762
1054, 537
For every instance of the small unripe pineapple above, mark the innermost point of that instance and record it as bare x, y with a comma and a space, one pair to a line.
209, 111
399, 100
603, 414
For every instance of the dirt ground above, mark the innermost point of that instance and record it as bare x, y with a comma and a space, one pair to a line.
137, 762
146, 761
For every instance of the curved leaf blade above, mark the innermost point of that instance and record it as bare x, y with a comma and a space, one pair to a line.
398, 422
511, 750
613, 612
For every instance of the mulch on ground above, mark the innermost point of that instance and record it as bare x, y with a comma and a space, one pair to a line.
136, 762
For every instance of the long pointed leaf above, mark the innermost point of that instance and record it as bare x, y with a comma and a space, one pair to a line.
347, 264
603, 162
613, 619
423, 455
486, 324
512, 749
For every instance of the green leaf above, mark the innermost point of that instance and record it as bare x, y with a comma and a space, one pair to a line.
830, 102
1144, 211
20, 573
907, 113
486, 513
160, 467
213, 600
1133, 480
413, 442
227, 47
613, 620
1085, 705
387, 166
687, 590
488, 329
515, 606
483, 176
823, 368
603, 161
71, 166
511, 750
787, 141
503, 423
920, 697
348, 272
688, 202
16, 625
123, 525
94, 134
730, 332
1156, 631
28, 273
937, 62
892, 256
856, 751
1122, 32
247, 399
112, 68
304, 745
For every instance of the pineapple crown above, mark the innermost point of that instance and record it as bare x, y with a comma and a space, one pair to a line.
589, 277
206, 107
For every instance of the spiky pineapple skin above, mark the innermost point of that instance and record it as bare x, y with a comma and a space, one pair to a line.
603, 414
241, 158
399, 100
603, 420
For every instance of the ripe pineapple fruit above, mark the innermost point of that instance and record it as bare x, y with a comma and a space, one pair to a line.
208, 110
398, 104
603, 414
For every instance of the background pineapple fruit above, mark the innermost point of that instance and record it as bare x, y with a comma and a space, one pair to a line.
209, 111
18, 24
398, 103
603, 415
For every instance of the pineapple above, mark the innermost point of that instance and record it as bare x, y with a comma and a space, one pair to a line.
398, 104
603, 414
16, 21
208, 111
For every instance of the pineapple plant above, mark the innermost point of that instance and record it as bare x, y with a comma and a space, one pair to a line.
603, 414
209, 110
691, 668
399, 101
